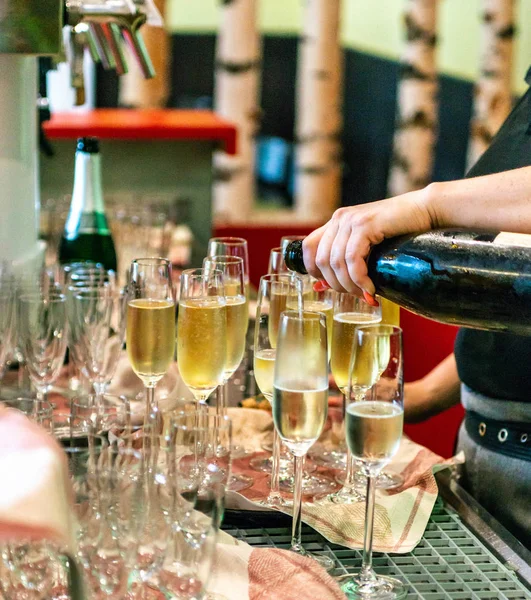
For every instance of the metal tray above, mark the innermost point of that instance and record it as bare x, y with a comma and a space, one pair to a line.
451, 561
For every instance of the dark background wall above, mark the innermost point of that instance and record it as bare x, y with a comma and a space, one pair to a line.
369, 107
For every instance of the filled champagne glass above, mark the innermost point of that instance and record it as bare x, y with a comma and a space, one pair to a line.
374, 422
150, 328
202, 331
300, 398
231, 246
271, 290
237, 313
350, 312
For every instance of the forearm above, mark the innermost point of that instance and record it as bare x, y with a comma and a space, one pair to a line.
501, 201
434, 393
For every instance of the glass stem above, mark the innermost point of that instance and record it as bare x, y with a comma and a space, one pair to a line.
151, 405
296, 532
350, 476
221, 399
274, 492
367, 574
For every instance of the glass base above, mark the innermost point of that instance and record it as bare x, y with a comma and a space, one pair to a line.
359, 479
333, 459
322, 559
240, 482
389, 481
275, 502
312, 485
265, 464
379, 588
351, 496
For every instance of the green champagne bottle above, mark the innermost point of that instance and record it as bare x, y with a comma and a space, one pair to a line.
87, 236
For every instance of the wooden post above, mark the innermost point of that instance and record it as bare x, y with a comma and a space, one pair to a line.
135, 90
492, 95
237, 89
416, 121
319, 112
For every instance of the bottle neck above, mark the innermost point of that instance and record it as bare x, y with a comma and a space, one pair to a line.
87, 196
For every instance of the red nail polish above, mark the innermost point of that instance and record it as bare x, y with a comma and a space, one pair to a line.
371, 300
320, 286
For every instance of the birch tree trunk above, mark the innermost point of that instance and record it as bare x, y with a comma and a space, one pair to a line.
492, 95
237, 89
416, 121
137, 91
319, 117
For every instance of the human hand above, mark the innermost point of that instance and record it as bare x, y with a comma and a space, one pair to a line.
337, 252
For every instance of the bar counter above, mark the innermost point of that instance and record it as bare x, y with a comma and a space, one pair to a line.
464, 554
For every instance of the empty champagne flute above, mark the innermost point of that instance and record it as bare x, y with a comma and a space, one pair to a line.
42, 334
300, 399
350, 312
202, 331
97, 330
150, 329
273, 294
374, 422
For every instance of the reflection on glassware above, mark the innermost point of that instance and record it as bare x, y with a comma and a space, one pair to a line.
202, 331
42, 334
350, 312
300, 398
150, 329
271, 288
374, 424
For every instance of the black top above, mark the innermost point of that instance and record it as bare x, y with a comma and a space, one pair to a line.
499, 364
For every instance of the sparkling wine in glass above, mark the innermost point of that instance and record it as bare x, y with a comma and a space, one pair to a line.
202, 331
374, 423
150, 329
271, 288
300, 398
350, 312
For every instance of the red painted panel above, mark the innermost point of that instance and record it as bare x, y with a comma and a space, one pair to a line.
149, 124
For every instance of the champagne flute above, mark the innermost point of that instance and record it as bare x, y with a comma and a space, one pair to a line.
237, 313
277, 265
350, 312
374, 423
42, 331
231, 246
273, 292
202, 331
300, 398
150, 329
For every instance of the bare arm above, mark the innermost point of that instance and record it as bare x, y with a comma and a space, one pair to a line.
338, 250
437, 391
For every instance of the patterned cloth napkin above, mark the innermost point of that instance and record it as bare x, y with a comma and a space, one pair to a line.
241, 572
35, 499
401, 514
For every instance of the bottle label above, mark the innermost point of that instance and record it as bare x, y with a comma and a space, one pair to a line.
505, 238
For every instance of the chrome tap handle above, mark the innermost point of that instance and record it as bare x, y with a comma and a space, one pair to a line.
107, 59
114, 44
136, 43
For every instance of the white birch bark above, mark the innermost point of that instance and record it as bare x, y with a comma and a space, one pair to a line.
416, 121
492, 95
319, 112
237, 89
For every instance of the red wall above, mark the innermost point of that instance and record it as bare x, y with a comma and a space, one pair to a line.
426, 342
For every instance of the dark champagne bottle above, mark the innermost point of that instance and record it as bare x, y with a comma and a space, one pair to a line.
476, 279
87, 236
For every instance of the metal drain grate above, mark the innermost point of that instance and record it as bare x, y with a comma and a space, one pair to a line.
450, 563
